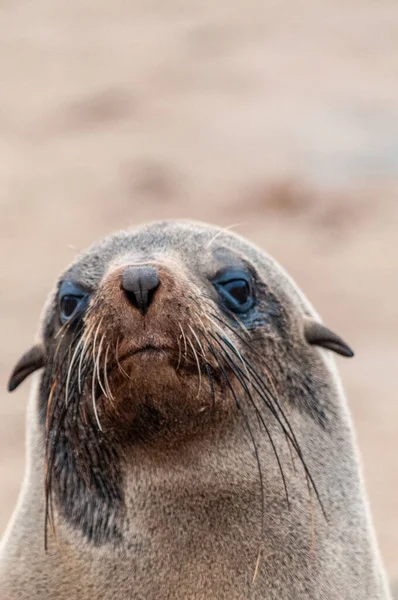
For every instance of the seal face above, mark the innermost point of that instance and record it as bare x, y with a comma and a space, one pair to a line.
153, 336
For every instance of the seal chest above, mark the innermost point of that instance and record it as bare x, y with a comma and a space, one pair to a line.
191, 433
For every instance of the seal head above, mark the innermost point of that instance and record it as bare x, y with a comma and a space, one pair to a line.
152, 337
186, 379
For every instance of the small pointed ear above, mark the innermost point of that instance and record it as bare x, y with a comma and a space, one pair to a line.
32, 360
318, 335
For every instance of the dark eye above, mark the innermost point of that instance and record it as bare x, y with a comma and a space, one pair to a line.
72, 301
68, 306
239, 290
236, 292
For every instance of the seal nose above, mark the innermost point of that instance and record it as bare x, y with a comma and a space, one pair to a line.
140, 284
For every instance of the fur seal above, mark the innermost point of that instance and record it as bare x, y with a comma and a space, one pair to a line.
188, 436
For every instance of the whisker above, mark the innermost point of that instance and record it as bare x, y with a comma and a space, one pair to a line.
211, 384
179, 352
198, 365
94, 401
253, 440
242, 339
123, 372
94, 378
230, 314
64, 385
198, 342
271, 397
62, 329
231, 344
96, 335
48, 509
237, 372
106, 380
206, 362
97, 366
221, 231
288, 432
185, 342
86, 337
71, 364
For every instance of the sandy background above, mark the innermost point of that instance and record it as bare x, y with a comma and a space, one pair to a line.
279, 117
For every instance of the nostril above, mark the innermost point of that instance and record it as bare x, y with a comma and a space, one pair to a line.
140, 284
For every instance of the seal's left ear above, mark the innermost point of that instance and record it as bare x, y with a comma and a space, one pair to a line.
319, 335
32, 360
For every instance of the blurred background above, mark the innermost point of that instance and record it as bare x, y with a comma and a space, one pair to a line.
278, 118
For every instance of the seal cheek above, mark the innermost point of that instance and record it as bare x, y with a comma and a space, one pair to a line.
29, 362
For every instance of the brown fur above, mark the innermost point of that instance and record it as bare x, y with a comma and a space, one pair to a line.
221, 463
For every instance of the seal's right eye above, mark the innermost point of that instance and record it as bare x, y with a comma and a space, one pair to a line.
72, 301
68, 306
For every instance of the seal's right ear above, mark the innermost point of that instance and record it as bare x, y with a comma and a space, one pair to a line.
32, 360
318, 335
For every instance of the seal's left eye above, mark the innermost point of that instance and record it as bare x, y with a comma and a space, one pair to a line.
236, 291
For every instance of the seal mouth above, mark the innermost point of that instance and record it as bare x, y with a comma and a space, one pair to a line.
150, 349
147, 353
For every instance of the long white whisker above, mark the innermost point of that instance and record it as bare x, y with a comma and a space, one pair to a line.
179, 337
97, 363
222, 230
106, 375
198, 342
198, 365
96, 334
62, 329
185, 342
75, 353
123, 372
204, 327
94, 377
83, 354
94, 400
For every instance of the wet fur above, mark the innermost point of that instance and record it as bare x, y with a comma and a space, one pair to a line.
229, 472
